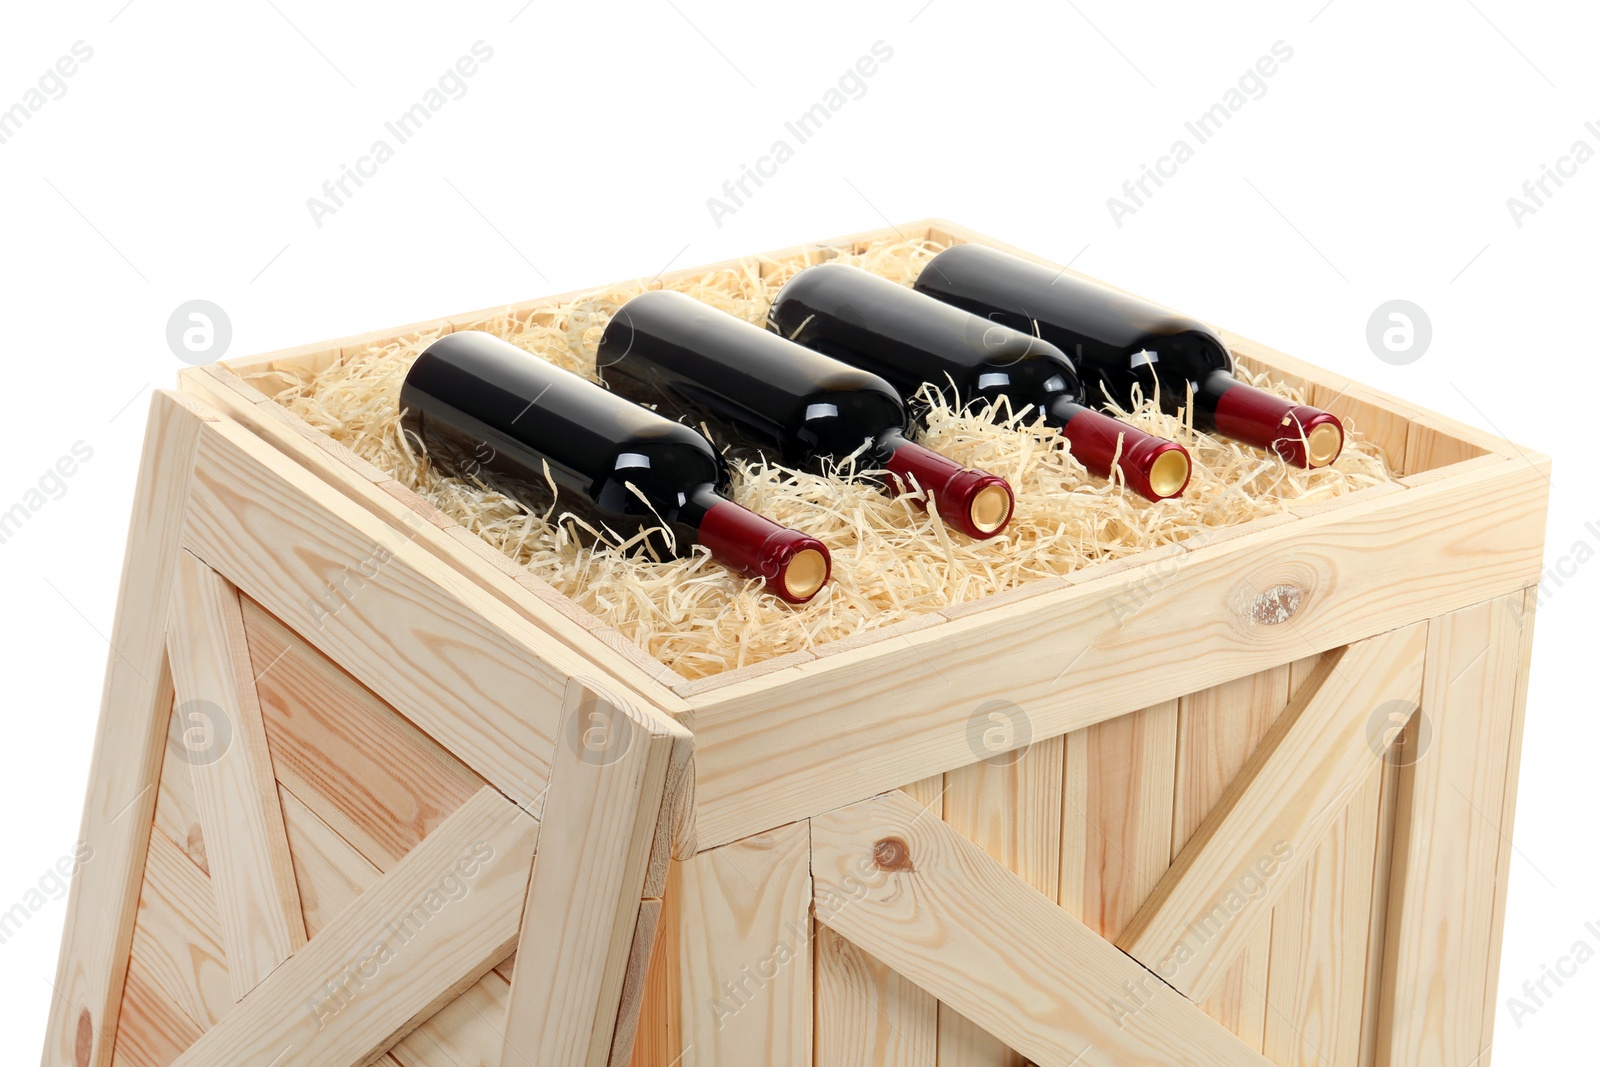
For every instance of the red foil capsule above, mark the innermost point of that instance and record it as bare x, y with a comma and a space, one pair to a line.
1155, 468
977, 503
1303, 435
794, 565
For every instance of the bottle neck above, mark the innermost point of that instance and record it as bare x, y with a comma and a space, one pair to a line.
794, 565
1153, 467
1302, 435
977, 503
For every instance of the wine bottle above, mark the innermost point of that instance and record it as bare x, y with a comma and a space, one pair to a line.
482, 407
913, 340
773, 396
1120, 342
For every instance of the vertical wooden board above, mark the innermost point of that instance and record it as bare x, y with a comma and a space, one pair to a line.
386, 784
235, 790
1117, 819
1441, 914
152, 1031
1319, 939
867, 1014
659, 1040
1009, 805
608, 779
178, 936
1505, 818
1382, 865
129, 743
1218, 729
745, 952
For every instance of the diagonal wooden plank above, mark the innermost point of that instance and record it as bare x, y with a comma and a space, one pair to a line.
129, 744
941, 912
236, 793
1265, 828
1448, 840
608, 779
425, 931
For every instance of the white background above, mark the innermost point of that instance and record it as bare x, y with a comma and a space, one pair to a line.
1377, 166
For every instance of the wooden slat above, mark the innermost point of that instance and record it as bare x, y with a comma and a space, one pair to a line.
942, 912
802, 740
178, 938
177, 811
744, 957
455, 661
1383, 860
432, 926
1447, 849
153, 1031
635, 989
386, 784
235, 791
1010, 806
128, 750
1296, 784
867, 1015
1506, 816
1117, 819
1319, 943
332, 876
1218, 729
609, 778
658, 1039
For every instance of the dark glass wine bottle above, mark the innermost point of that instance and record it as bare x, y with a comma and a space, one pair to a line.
761, 392
913, 340
483, 408
1120, 342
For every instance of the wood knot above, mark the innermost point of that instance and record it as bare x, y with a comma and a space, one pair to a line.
1275, 606
892, 854
83, 1046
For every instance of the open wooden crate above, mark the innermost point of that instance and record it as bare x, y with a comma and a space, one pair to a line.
348, 805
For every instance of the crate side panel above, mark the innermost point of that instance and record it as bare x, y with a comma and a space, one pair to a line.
331, 737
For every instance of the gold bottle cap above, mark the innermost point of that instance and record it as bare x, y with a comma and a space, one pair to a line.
991, 507
1323, 444
805, 574
1169, 473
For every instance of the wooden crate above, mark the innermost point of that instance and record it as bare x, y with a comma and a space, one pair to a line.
1249, 802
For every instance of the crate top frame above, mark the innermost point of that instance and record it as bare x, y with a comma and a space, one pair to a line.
804, 733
